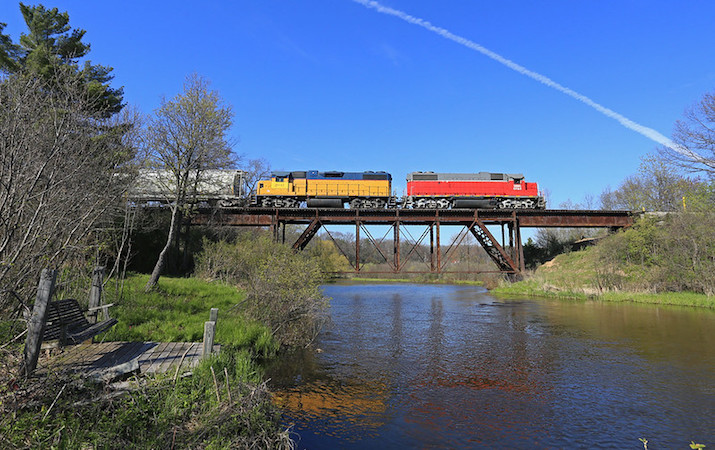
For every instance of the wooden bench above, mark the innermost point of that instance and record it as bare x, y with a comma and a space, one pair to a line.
67, 325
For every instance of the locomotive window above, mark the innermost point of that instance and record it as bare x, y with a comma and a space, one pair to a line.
260, 185
280, 179
517, 181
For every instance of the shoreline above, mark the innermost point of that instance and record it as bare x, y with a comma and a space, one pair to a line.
535, 288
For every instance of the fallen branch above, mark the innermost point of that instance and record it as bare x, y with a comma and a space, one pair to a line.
53, 403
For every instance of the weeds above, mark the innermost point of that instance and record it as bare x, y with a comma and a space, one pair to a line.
168, 411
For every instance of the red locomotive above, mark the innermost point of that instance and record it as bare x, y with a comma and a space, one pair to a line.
471, 190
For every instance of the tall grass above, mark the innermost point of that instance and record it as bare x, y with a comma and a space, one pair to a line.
177, 310
193, 411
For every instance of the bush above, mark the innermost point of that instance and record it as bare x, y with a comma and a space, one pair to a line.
282, 287
672, 253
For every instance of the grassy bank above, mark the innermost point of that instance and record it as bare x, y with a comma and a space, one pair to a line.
177, 310
161, 412
575, 275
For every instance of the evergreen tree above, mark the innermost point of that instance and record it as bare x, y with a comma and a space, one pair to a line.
51, 44
8, 52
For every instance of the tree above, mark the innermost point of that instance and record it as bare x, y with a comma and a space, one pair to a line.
694, 138
187, 138
59, 173
50, 43
255, 170
658, 186
8, 51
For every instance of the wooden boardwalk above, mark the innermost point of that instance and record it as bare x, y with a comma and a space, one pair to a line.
108, 360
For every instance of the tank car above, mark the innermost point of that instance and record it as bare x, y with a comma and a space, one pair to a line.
471, 190
331, 189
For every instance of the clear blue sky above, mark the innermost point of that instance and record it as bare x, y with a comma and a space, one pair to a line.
331, 84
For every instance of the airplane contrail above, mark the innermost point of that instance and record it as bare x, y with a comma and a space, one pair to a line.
626, 122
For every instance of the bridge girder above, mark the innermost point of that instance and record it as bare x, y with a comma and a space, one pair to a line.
473, 221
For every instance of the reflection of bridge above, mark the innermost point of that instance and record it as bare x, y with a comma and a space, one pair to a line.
509, 259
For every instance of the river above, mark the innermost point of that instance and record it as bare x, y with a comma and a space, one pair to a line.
441, 366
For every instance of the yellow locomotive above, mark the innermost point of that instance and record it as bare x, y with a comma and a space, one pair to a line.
325, 189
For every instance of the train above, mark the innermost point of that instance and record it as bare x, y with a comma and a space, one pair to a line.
325, 189
336, 189
425, 190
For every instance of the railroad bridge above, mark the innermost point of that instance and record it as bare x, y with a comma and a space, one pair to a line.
508, 257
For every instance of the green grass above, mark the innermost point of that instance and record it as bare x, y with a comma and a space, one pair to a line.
177, 310
572, 276
160, 412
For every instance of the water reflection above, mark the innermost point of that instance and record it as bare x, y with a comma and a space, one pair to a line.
449, 366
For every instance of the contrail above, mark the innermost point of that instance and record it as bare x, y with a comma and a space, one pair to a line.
626, 122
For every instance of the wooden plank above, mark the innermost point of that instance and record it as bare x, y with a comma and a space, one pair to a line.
160, 358
96, 357
146, 358
174, 357
120, 360
117, 355
80, 353
109, 360
147, 362
196, 354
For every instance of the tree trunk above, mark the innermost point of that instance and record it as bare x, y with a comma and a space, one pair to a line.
161, 261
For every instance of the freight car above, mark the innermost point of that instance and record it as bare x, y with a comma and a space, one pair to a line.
471, 190
215, 187
325, 189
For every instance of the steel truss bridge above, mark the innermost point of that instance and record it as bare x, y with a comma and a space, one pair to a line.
509, 258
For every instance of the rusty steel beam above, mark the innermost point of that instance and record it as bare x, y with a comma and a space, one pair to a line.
307, 235
527, 218
492, 247
475, 220
233, 220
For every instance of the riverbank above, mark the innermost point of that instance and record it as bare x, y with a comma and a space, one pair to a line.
575, 276
223, 403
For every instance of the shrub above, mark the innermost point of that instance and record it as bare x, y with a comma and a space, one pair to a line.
671, 253
282, 287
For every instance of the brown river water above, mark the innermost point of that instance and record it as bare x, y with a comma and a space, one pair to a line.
439, 366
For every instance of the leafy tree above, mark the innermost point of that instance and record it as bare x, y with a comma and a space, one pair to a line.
658, 186
186, 139
51, 43
671, 253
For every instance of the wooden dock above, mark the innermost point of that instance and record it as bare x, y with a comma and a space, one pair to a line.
109, 360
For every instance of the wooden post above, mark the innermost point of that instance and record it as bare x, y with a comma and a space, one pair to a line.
36, 325
95, 295
210, 332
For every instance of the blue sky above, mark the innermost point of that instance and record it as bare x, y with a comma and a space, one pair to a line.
331, 84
